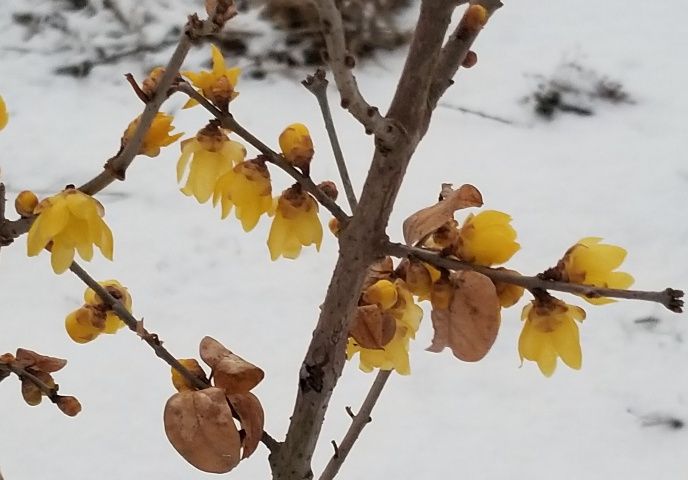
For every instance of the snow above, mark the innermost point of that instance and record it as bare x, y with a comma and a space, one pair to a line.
619, 174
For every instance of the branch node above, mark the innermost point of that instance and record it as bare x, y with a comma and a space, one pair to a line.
336, 449
350, 412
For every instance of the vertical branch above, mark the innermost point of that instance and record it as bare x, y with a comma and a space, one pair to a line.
317, 85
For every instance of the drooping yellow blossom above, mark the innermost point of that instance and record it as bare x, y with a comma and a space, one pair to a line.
212, 155
95, 316
297, 146
247, 187
157, 136
487, 238
296, 224
69, 221
407, 314
4, 116
218, 84
550, 331
590, 262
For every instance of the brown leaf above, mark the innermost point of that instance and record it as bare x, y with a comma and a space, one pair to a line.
372, 328
212, 351
199, 425
251, 415
380, 270
425, 221
30, 392
29, 358
230, 371
470, 325
236, 375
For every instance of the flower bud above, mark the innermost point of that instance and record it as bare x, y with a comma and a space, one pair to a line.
69, 405
25, 203
151, 82
329, 189
297, 146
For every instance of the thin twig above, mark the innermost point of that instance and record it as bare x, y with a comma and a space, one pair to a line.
317, 85
342, 62
22, 373
151, 339
669, 297
454, 52
116, 167
360, 420
228, 121
136, 326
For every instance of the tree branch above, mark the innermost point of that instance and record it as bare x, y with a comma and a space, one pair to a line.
151, 339
22, 373
358, 423
116, 167
317, 85
228, 121
455, 50
670, 298
342, 62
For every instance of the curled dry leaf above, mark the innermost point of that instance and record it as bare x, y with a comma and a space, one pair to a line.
230, 371
380, 270
252, 418
199, 425
426, 221
372, 328
470, 324
28, 358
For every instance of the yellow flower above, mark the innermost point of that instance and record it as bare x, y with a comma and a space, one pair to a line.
95, 317
214, 155
248, 188
487, 238
180, 382
218, 84
407, 314
550, 331
4, 116
297, 146
296, 224
119, 292
590, 262
157, 136
68, 221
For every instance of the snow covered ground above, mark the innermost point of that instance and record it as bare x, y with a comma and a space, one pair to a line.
620, 174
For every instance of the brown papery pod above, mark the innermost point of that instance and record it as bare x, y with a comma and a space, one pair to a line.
252, 418
199, 425
29, 358
30, 392
212, 351
426, 221
470, 325
372, 328
236, 375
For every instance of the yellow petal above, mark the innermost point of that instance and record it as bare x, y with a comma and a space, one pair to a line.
61, 257
48, 224
566, 342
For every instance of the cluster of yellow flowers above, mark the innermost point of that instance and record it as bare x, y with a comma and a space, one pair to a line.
95, 317
487, 238
393, 308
